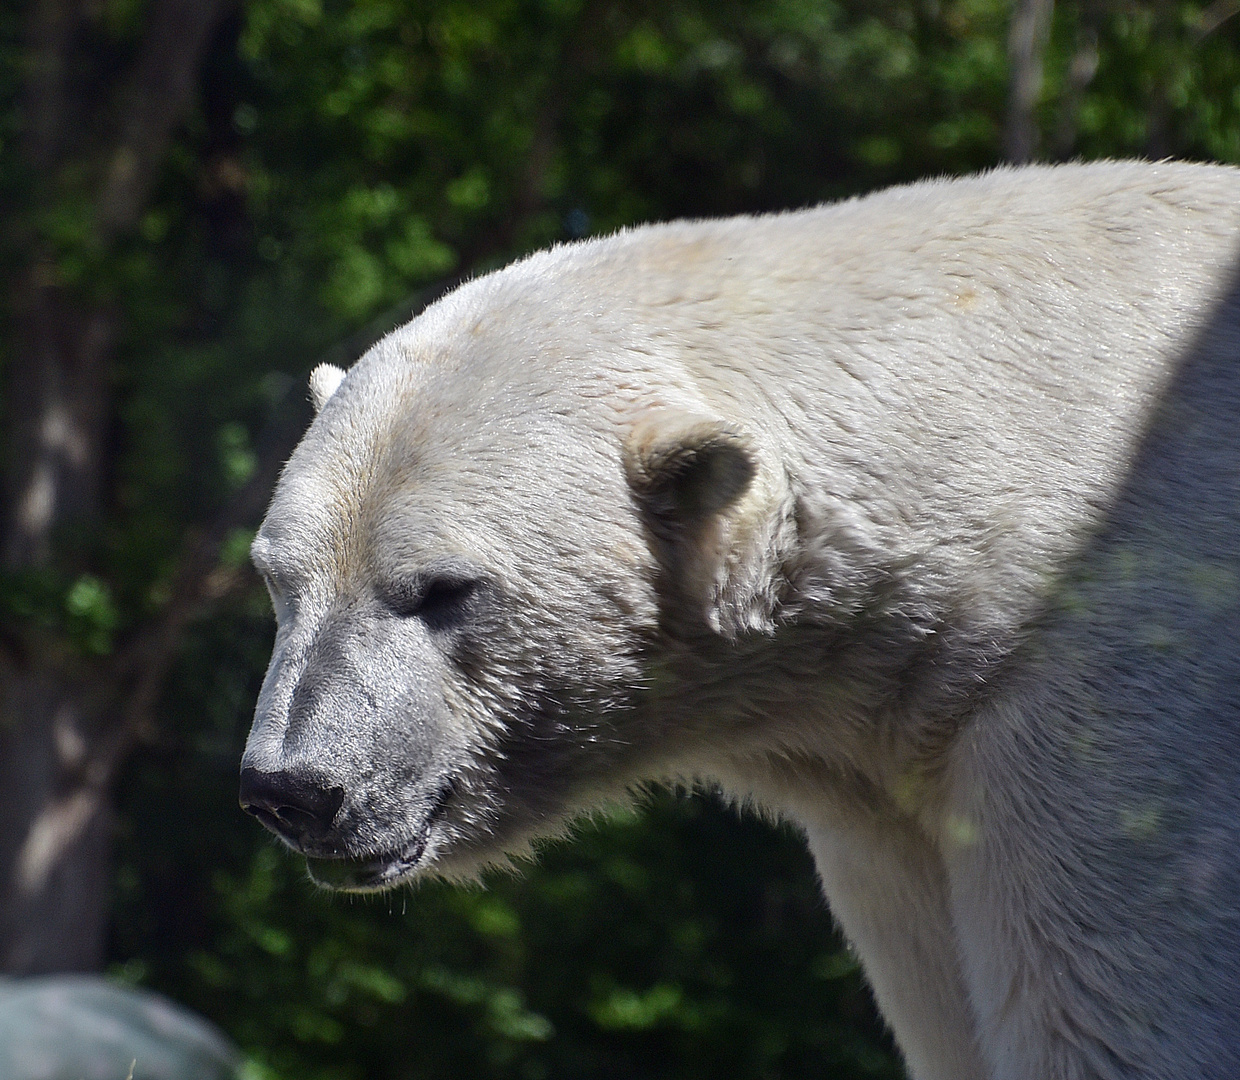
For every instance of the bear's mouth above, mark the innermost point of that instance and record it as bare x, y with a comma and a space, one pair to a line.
376, 872
367, 875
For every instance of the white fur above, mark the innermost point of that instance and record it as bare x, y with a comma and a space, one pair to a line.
324, 381
915, 519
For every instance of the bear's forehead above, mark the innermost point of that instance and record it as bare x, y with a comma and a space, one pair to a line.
469, 422
450, 473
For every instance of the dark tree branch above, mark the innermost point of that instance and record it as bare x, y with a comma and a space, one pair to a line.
1214, 16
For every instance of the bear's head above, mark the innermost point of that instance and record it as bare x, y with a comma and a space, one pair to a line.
488, 558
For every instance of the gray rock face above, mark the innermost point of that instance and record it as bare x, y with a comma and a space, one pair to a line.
80, 1027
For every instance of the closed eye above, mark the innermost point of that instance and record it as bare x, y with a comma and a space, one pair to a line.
438, 600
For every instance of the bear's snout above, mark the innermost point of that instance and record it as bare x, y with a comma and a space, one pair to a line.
293, 803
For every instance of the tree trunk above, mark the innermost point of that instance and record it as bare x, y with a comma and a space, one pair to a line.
97, 140
58, 397
1027, 39
55, 832
54, 823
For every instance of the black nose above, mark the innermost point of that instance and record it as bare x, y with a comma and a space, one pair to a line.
296, 804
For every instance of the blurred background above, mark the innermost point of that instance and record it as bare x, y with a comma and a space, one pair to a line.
200, 200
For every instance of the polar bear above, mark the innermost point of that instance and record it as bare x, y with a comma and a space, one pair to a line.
913, 519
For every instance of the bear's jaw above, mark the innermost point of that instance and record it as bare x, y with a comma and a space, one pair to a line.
367, 875
376, 873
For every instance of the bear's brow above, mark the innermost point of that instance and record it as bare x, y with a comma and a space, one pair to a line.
271, 558
457, 568
260, 551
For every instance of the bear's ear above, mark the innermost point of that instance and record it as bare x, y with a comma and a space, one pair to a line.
713, 522
324, 381
684, 470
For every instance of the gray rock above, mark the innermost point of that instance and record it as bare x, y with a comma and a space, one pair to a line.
81, 1027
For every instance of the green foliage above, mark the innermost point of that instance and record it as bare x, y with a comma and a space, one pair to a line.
1162, 81
344, 154
76, 614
